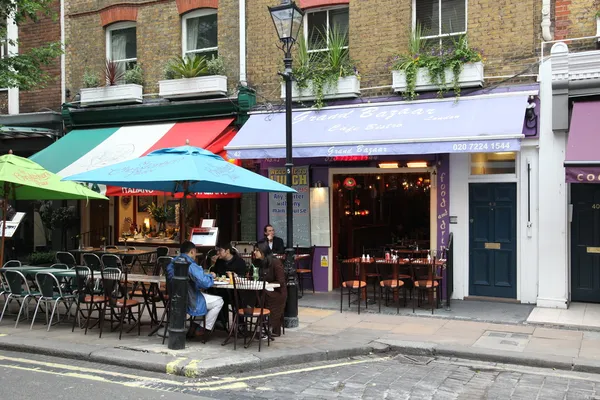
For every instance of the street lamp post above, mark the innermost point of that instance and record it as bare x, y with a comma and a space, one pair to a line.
287, 18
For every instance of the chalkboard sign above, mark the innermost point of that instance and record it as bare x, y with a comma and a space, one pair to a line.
277, 206
319, 217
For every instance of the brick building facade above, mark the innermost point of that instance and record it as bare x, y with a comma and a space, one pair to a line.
158, 35
35, 34
507, 31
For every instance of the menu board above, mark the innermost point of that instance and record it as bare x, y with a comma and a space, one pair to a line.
12, 225
320, 232
301, 206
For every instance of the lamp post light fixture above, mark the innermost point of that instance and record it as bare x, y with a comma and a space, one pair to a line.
287, 18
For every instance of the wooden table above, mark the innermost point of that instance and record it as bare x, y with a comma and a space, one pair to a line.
135, 254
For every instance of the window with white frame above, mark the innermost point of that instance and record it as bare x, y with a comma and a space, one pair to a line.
121, 44
199, 33
317, 24
3, 39
441, 19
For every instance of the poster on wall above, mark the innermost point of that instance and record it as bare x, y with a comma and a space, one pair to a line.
277, 206
319, 217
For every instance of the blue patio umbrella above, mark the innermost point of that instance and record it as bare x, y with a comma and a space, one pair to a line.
184, 169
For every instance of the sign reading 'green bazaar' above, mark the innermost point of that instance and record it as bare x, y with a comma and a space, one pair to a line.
278, 204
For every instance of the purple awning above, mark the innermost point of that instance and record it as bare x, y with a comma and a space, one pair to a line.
471, 125
582, 160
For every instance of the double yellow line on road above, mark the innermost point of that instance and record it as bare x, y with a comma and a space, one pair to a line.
158, 384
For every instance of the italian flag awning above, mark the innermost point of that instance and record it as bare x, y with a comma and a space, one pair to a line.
87, 149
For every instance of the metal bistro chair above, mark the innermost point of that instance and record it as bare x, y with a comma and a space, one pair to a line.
92, 261
64, 257
426, 284
111, 261
19, 291
51, 292
12, 264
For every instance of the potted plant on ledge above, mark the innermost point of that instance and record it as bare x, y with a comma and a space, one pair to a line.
428, 67
196, 76
323, 75
120, 86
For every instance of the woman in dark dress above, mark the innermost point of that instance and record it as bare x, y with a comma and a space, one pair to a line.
272, 271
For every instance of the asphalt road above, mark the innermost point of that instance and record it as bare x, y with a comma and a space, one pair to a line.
26, 376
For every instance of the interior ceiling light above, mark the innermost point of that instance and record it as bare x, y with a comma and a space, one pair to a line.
416, 164
389, 164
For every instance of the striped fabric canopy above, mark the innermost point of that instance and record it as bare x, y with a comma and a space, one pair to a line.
85, 150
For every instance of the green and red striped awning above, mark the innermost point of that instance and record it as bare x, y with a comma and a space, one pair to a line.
84, 150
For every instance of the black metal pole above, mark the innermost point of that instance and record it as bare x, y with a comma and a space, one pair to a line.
177, 314
291, 308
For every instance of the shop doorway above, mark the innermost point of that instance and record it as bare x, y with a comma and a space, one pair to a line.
98, 223
585, 243
493, 240
372, 211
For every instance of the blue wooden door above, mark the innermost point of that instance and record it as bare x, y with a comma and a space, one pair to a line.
585, 243
493, 240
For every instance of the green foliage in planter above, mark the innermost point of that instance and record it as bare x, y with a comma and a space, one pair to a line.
134, 75
159, 213
38, 258
194, 66
321, 70
90, 79
436, 59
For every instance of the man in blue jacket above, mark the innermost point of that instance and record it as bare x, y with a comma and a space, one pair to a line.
199, 303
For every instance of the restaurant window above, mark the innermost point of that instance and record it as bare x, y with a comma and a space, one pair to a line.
121, 44
199, 33
493, 163
441, 19
318, 23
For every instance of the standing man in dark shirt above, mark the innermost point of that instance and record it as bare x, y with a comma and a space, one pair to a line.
275, 243
226, 260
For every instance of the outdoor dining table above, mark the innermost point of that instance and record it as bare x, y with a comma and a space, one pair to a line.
135, 254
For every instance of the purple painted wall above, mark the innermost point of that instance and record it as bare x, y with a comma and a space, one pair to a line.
443, 207
321, 274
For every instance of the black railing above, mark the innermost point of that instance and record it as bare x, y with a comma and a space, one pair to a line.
449, 270
94, 237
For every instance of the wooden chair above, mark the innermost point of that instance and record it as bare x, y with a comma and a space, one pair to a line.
349, 272
87, 294
307, 272
117, 301
256, 319
389, 285
428, 285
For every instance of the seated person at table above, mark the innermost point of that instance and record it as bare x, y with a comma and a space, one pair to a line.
227, 260
199, 303
272, 271
274, 243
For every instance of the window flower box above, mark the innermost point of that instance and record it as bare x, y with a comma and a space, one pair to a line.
202, 86
347, 87
117, 94
471, 76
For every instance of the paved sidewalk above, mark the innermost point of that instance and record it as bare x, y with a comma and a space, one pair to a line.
578, 315
322, 335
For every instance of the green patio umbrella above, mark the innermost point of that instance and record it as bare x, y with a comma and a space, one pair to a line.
23, 179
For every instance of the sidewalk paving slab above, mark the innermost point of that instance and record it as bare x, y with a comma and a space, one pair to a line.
323, 335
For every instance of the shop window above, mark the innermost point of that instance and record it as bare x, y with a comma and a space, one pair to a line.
318, 23
199, 33
121, 44
441, 19
493, 163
